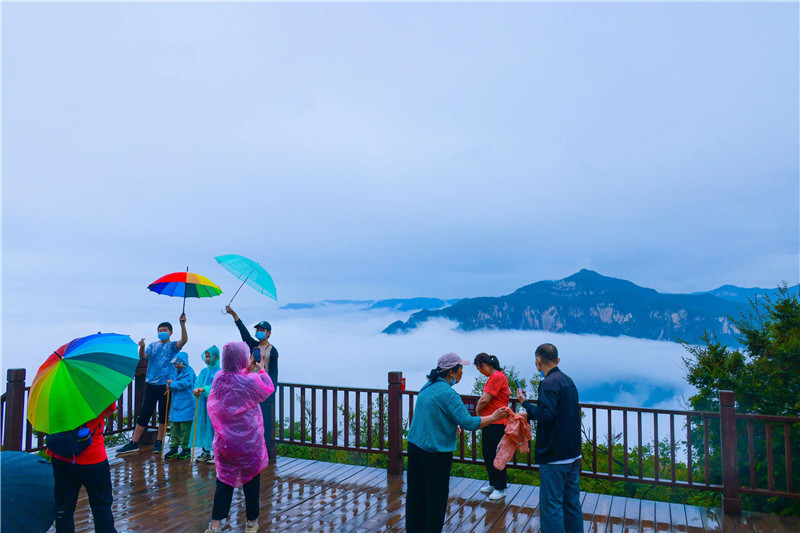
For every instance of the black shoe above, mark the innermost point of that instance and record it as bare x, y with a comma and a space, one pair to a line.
172, 452
185, 454
131, 447
158, 447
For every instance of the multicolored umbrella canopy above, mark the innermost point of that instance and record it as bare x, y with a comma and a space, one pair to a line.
250, 272
185, 285
80, 379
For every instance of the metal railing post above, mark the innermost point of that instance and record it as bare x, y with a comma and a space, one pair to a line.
731, 501
394, 464
15, 407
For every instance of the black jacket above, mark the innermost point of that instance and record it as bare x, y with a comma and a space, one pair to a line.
273, 356
558, 432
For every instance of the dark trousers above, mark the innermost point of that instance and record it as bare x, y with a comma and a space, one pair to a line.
68, 480
268, 412
560, 499
153, 394
428, 488
224, 495
491, 436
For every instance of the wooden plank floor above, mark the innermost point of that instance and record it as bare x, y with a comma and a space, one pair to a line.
302, 495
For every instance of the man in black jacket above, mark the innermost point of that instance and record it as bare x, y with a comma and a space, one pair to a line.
558, 444
270, 354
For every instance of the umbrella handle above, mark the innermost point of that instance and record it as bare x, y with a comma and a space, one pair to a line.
166, 423
183, 311
194, 423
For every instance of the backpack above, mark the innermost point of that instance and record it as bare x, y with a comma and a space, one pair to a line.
70, 444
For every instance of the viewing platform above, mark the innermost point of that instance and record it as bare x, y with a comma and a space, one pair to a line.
724, 457
303, 495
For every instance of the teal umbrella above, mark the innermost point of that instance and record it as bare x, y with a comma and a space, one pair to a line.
249, 272
27, 502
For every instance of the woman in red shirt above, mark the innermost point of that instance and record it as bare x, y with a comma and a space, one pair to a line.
495, 396
89, 469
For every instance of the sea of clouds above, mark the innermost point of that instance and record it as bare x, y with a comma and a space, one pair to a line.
343, 346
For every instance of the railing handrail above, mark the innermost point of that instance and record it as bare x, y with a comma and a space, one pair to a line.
359, 423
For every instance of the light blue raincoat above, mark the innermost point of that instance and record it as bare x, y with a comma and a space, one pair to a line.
182, 402
205, 431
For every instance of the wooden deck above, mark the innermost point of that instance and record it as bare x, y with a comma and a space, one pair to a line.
303, 495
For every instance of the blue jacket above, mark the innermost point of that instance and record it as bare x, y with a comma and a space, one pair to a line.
437, 413
558, 417
183, 401
202, 424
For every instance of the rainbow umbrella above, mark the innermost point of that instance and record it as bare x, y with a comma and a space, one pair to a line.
249, 272
79, 380
185, 285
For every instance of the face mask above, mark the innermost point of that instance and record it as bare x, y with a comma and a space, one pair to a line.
261, 335
541, 373
163, 335
452, 382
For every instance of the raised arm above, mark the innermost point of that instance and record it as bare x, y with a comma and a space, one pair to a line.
184, 336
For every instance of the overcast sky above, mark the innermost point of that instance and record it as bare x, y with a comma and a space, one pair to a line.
394, 150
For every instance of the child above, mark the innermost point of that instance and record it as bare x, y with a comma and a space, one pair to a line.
202, 424
88, 469
183, 407
239, 447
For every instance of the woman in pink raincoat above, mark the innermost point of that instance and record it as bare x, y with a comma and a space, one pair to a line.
235, 413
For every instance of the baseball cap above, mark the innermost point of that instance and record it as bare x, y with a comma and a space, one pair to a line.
450, 360
263, 324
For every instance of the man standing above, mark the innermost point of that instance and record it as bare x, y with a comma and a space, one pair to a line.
558, 444
270, 355
159, 370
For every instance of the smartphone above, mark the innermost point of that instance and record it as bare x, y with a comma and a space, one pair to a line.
519, 386
257, 355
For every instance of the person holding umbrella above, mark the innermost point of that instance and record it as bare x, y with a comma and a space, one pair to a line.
159, 370
261, 346
72, 393
89, 469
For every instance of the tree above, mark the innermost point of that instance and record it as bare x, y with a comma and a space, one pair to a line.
764, 374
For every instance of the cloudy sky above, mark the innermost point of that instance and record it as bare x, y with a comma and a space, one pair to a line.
393, 150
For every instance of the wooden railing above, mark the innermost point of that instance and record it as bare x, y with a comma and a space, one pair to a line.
16, 433
679, 449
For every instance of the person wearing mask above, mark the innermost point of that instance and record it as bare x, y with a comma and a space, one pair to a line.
159, 369
268, 352
495, 396
558, 444
239, 448
438, 413
183, 407
202, 424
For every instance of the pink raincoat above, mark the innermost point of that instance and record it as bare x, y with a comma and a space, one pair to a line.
518, 435
233, 407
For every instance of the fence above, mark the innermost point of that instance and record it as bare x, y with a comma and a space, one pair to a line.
679, 449
16, 433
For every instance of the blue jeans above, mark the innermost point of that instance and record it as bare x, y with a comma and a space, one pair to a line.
560, 499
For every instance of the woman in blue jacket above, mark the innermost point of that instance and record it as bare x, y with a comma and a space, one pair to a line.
438, 413
202, 386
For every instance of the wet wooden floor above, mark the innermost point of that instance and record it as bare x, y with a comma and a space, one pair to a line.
302, 495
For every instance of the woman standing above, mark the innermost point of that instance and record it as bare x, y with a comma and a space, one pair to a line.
438, 413
495, 396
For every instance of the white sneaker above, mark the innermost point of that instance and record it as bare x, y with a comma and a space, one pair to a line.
251, 527
486, 489
497, 495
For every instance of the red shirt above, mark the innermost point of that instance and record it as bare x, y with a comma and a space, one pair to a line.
497, 386
96, 452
